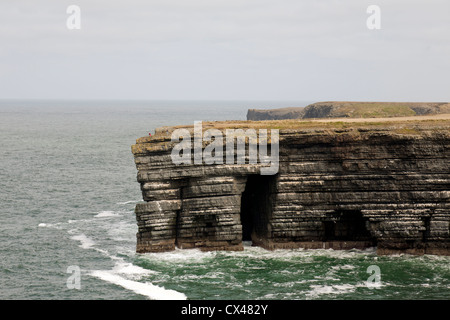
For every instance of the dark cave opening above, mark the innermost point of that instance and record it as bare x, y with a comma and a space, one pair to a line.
256, 207
427, 232
347, 225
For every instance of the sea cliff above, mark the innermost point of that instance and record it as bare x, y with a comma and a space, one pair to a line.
339, 185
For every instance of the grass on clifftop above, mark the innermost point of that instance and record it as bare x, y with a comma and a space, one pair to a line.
376, 110
406, 124
354, 109
401, 125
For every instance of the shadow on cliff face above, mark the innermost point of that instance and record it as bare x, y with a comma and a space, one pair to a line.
256, 207
340, 229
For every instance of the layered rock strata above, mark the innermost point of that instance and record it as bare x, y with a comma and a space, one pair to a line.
335, 188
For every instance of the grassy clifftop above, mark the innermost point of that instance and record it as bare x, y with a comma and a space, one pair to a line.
351, 109
396, 125
373, 109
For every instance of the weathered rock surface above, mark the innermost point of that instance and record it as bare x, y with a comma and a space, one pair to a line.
336, 188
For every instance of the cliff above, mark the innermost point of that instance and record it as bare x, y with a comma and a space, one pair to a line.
275, 114
347, 109
338, 185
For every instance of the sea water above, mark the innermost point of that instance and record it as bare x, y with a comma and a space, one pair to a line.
67, 195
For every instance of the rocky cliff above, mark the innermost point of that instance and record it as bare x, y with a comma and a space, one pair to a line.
338, 186
350, 109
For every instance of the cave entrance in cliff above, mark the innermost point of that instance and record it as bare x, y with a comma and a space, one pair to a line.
347, 225
256, 207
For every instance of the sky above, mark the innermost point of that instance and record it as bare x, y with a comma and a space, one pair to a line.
309, 50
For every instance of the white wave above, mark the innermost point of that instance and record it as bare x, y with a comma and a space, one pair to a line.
341, 254
130, 269
180, 255
85, 242
103, 214
125, 274
258, 253
299, 253
88, 243
271, 296
318, 290
57, 225
343, 267
128, 202
146, 289
328, 277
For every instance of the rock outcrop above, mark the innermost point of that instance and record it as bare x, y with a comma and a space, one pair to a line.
347, 109
337, 187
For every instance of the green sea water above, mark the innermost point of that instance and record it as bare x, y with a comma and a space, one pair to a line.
67, 194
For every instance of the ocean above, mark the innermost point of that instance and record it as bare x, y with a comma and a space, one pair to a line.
68, 232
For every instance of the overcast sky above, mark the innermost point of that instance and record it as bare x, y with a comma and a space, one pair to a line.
226, 50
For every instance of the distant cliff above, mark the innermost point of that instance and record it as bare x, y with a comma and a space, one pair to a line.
339, 185
336, 109
275, 114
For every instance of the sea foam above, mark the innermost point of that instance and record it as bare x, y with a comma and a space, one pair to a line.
85, 242
103, 214
146, 289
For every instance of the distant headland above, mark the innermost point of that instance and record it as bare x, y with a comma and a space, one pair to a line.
349, 109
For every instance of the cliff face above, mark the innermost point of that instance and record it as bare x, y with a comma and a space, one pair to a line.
336, 188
